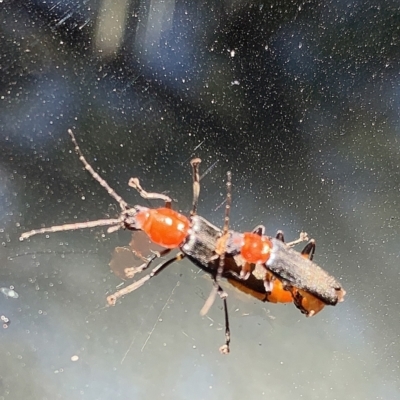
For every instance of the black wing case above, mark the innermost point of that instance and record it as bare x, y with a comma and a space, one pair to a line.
294, 270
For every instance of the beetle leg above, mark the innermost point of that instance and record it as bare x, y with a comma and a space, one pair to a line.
279, 236
224, 349
196, 184
303, 237
309, 250
134, 183
112, 299
132, 271
221, 246
259, 230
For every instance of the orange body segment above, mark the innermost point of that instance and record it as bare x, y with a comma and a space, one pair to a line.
279, 294
308, 302
255, 249
164, 226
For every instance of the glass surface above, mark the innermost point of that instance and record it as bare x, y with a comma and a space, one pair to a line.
300, 100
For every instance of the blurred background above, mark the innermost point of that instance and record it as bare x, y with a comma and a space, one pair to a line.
299, 99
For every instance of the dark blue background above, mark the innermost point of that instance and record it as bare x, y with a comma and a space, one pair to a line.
300, 100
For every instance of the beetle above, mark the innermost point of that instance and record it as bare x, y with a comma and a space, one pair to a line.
164, 226
261, 266
264, 267
270, 258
